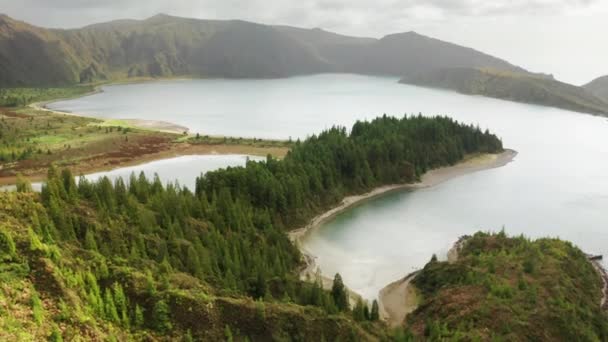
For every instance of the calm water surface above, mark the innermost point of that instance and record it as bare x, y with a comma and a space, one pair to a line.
557, 185
182, 169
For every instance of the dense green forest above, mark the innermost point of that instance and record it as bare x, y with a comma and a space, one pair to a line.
135, 257
510, 289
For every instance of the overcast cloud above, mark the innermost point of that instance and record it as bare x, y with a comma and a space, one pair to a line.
563, 37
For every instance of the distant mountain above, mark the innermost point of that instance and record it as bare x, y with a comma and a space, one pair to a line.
599, 87
514, 86
166, 46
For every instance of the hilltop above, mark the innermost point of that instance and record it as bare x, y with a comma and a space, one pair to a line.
513, 86
599, 87
510, 289
167, 46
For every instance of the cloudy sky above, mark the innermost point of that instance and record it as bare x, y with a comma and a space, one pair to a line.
568, 38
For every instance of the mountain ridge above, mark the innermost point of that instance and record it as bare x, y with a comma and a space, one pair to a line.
168, 46
599, 87
512, 86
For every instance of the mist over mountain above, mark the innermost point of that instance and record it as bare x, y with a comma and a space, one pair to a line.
599, 87
167, 46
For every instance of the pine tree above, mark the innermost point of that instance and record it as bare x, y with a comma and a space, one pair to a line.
55, 335
338, 292
120, 301
375, 313
110, 307
359, 311
138, 316
23, 184
162, 315
228, 334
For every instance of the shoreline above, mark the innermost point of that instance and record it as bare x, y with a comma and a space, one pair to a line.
143, 124
389, 313
604, 276
176, 150
399, 298
431, 178
170, 149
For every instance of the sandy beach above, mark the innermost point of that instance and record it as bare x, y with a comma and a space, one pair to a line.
397, 299
431, 178
151, 125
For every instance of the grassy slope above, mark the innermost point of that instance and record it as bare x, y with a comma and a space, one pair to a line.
31, 140
511, 289
44, 288
512, 86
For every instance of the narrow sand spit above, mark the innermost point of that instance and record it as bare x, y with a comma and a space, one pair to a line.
397, 299
151, 125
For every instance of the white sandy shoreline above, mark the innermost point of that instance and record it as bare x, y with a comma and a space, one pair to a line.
431, 178
152, 125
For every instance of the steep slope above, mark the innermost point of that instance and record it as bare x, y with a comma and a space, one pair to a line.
410, 53
512, 86
53, 289
165, 46
31, 55
599, 87
510, 289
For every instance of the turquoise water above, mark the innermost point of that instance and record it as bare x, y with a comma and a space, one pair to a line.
556, 186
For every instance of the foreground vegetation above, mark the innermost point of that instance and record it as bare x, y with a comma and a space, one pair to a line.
130, 259
511, 289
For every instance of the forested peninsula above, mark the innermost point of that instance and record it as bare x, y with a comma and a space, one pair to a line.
502, 288
139, 259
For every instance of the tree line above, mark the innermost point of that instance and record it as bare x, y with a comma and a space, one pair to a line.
230, 232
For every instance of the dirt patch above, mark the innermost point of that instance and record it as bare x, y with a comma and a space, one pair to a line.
397, 300
131, 150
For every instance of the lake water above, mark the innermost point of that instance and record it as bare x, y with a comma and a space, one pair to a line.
557, 186
183, 169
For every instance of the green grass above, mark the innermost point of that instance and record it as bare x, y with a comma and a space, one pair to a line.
211, 140
113, 123
21, 97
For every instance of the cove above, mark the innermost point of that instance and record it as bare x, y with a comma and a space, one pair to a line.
556, 186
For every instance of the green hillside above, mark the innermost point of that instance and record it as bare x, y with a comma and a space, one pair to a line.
510, 289
136, 259
511, 86
166, 46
